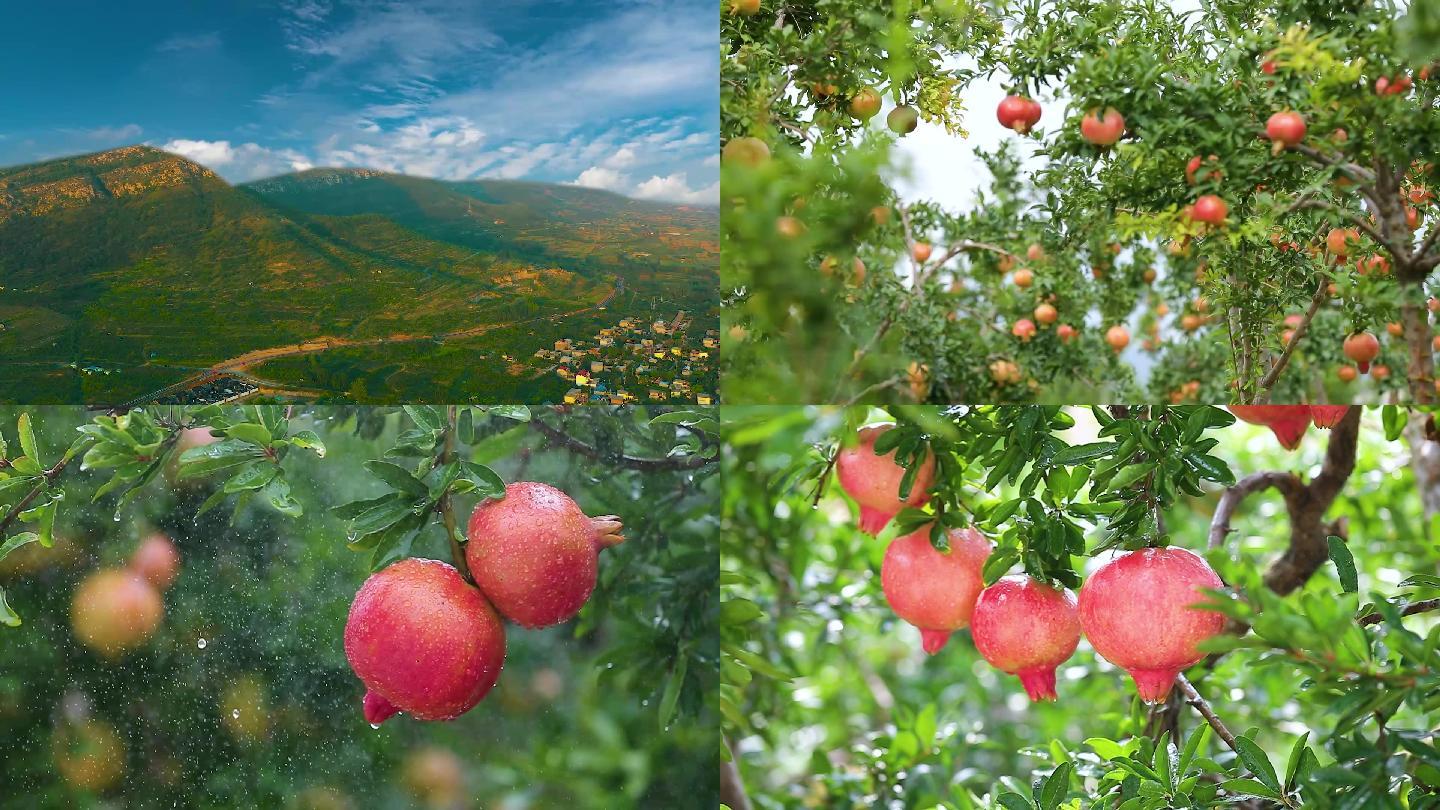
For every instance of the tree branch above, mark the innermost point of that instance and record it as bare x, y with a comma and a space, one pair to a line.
560, 438
1321, 293
1410, 610
732, 789
1194, 699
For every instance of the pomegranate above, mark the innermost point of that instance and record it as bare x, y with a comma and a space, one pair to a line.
865, 103
1118, 337
934, 590
89, 755
1035, 252
1023, 329
1137, 611
1027, 628
1338, 240
1102, 128
1362, 347
114, 612
1285, 128
1046, 313
1192, 170
921, 251
1287, 422
1190, 322
749, 152
534, 553
874, 480
1024, 278
1211, 209
1395, 329
1380, 372
1346, 373
1327, 416
1003, 372
902, 120
435, 776
1018, 113
423, 641
156, 561
745, 8
1065, 331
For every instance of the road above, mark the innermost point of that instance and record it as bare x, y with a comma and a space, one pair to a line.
257, 357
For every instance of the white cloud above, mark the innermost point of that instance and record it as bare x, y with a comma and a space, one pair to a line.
601, 177
676, 188
240, 163
120, 133
191, 42
624, 156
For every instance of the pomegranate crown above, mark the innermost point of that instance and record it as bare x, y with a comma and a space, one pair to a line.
607, 531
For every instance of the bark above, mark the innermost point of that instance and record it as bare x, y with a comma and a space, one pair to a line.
732, 790
1421, 370
1425, 461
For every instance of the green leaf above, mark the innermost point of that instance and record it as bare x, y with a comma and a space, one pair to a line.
998, 564
1296, 752
1193, 746
427, 417
8, 617
519, 413
1056, 786
1129, 475
397, 477
384, 513
1256, 762
739, 611
27, 438
278, 493
672, 692
488, 483
1249, 787
1014, 801
1081, 453
308, 440
1107, 749
251, 433
1344, 564
255, 476
17, 541
1393, 418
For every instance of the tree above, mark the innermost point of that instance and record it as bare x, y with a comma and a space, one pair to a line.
243, 694
1320, 691
1198, 228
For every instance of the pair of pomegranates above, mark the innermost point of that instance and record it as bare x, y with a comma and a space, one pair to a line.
426, 642
1139, 610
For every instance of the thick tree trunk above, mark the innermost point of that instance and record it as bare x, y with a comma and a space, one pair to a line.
1421, 372
1425, 463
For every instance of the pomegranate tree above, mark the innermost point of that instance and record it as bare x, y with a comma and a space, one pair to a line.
535, 554
932, 589
874, 480
1140, 612
423, 641
1027, 628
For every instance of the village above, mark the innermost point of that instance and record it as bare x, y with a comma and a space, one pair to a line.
637, 360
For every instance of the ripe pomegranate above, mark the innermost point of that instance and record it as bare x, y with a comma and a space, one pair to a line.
1137, 612
865, 103
435, 776
1018, 113
745, 8
789, 227
1211, 209
1024, 278
1192, 169
1375, 263
1285, 128
1023, 329
1118, 337
880, 215
749, 152
1287, 422
423, 641
1065, 331
874, 480
1412, 218
1268, 67
89, 755
115, 611
156, 561
1190, 322
1046, 314
902, 120
1102, 128
1003, 372
1035, 252
1328, 416
1395, 329
934, 590
1346, 373
534, 553
1338, 241
1380, 372
1149, 275
1027, 628
921, 251
1362, 347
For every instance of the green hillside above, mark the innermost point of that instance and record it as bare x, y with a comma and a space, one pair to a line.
128, 270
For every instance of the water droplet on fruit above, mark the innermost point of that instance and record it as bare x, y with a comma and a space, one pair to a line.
375, 726
201, 643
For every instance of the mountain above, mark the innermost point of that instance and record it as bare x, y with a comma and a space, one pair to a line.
125, 271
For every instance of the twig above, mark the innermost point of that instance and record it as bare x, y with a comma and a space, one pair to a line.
732, 788
1321, 293
1193, 698
880, 386
562, 439
1410, 610
49, 477
1288, 483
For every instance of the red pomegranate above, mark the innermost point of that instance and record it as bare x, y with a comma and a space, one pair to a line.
1102, 128
1210, 208
1137, 611
1287, 422
423, 641
1023, 329
934, 590
1286, 128
115, 611
1327, 416
1362, 347
156, 560
535, 554
1027, 628
874, 480
1018, 113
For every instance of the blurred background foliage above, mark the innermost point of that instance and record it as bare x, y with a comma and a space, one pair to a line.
244, 698
829, 701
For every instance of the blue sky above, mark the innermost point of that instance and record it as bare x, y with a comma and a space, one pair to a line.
619, 94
